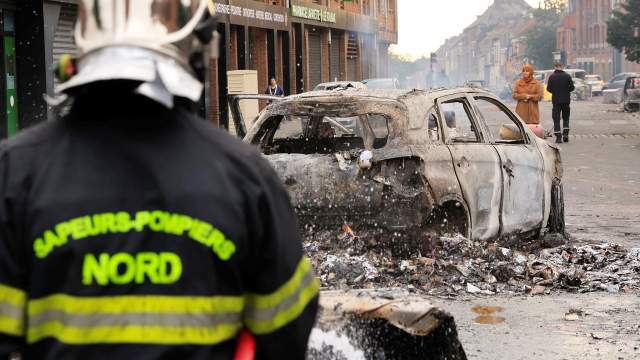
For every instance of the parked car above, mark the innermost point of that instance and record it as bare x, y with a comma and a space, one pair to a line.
582, 91
382, 84
340, 85
632, 94
474, 83
596, 83
618, 81
454, 161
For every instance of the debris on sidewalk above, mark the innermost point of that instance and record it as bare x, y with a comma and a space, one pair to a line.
573, 315
457, 266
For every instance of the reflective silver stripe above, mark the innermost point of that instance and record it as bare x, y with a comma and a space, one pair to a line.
11, 311
256, 314
138, 319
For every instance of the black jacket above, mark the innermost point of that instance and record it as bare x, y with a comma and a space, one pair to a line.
128, 231
560, 85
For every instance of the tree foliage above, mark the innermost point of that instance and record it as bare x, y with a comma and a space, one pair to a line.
624, 30
401, 67
541, 38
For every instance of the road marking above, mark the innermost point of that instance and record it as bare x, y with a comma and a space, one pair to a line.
604, 136
618, 122
587, 122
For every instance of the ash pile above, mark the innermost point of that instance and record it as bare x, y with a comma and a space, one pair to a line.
459, 266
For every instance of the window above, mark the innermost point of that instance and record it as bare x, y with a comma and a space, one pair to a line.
432, 126
322, 134
379, 126
457, 121
289, 127
502, 127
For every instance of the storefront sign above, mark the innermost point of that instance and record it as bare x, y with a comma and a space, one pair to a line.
313, 14
249, 13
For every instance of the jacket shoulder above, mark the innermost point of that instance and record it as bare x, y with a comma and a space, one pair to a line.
246, 157
32, 136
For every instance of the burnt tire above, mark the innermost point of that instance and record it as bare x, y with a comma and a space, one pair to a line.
556, 215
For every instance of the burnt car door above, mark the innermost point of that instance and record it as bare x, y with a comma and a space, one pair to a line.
241, 105
476, 164
522, 166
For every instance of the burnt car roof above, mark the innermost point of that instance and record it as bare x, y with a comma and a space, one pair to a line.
405, 107
386, 94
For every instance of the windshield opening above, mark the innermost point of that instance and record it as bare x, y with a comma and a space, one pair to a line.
321, 134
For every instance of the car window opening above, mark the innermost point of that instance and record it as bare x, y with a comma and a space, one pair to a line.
323, 134
457, 119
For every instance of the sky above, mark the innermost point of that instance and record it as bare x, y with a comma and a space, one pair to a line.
424, 25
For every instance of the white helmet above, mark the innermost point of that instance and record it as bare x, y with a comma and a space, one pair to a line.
151, 41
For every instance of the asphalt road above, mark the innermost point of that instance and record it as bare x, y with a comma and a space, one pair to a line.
602, 173
602, 190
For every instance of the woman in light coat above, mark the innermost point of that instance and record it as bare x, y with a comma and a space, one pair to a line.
528, 92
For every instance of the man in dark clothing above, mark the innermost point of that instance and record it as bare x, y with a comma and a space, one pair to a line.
130, 229
560, 85
274, 89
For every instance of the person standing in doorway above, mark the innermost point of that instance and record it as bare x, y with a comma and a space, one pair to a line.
274, 89
560, 85
528, 93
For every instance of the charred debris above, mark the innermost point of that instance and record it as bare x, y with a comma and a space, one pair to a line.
458, 266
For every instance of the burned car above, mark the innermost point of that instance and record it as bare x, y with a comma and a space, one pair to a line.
409, 163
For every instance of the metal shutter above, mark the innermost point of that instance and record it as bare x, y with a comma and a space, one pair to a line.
315, 60
8, 4
63, 42
335, 57
353, 56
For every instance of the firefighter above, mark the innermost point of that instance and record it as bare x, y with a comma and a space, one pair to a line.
129, 228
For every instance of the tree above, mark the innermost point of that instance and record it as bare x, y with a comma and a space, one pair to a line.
624, 30
402, 66
541, 38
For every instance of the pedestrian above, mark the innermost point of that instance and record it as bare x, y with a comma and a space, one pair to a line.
131, 229
560, 85
274, 89
528, 92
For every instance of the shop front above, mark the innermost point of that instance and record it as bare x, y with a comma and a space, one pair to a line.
254, 36
330, 42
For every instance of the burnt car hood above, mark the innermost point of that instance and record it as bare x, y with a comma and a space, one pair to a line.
327, 184
330, 190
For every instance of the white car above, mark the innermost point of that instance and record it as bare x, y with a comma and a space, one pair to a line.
596, 83
335, 85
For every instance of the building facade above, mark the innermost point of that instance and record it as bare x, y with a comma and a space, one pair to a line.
299, 42
592, 52
489, 49
566, 35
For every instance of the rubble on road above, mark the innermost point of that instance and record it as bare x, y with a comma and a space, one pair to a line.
457, 266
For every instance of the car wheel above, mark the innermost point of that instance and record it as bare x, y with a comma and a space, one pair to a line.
556, 223
450, 219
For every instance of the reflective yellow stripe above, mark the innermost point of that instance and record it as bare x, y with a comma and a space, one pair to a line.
144, 319
288, 288
12, 302
137, 304
11, 326
267, 313
133, 334
12, 296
